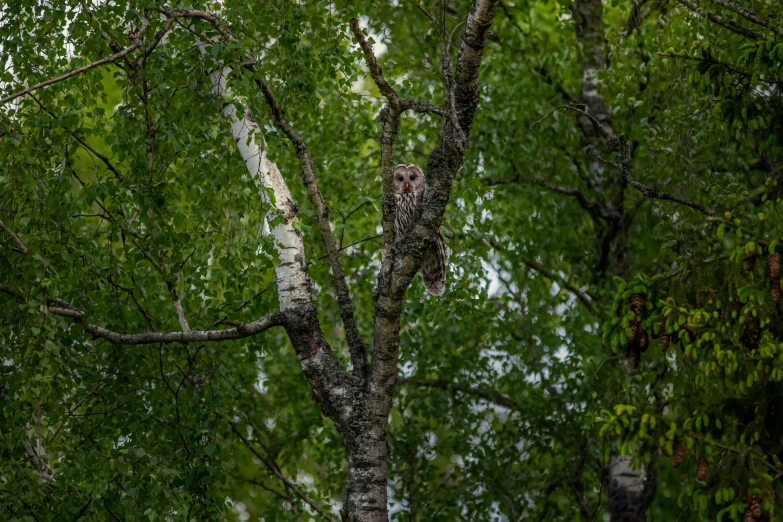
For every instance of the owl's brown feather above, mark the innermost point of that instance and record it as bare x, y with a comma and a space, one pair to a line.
409, 187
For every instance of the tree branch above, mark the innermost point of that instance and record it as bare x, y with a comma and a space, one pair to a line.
731, 26
333, 388
83, 143
747, 14
390, 117
103, 61
372, 64
20, 246
238, 332
423, 107
279, 474
581, 295
113, 44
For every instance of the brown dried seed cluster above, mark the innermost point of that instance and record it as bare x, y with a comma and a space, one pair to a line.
753, 511
773, 272
678, 453
637, 304
702, 468
663, 338
773, 266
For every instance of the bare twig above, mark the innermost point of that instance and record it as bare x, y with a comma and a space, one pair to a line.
83, 143
113, 44
354, 244
238, 308
155, 42
618, 143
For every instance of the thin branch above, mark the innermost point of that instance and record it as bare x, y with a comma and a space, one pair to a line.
195, 13
70, 412
103, 61
747, 14
20, 246
434, 22
13, 293
239, 332
511, 18
595, 209
83, 143
238, 308
155, 42
442, 384
728, 66
278, 473
372, 64
389, 119
733, 450
580, 294
354, 244
83, 510
356, 344
113, 44
731, 26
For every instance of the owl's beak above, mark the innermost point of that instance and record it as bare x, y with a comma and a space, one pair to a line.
407, 186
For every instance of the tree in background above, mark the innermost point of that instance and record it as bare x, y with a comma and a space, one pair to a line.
606, 143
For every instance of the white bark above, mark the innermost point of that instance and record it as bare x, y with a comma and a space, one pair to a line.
293, 284
183, 321
626, 476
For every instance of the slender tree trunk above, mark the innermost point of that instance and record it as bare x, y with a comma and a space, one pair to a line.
630, 489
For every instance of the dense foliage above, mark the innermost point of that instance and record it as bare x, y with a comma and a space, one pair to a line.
588, 314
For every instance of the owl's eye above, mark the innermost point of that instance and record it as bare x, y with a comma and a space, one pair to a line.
400, 178
413, 177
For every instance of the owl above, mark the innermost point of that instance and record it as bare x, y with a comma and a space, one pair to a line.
409, 185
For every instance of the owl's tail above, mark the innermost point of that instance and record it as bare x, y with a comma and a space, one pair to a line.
433, 269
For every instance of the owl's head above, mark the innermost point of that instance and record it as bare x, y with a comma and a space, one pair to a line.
408, 178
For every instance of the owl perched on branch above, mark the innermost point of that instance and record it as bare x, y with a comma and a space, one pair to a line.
409, 185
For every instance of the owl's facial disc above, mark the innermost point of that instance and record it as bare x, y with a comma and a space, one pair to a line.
407, 178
